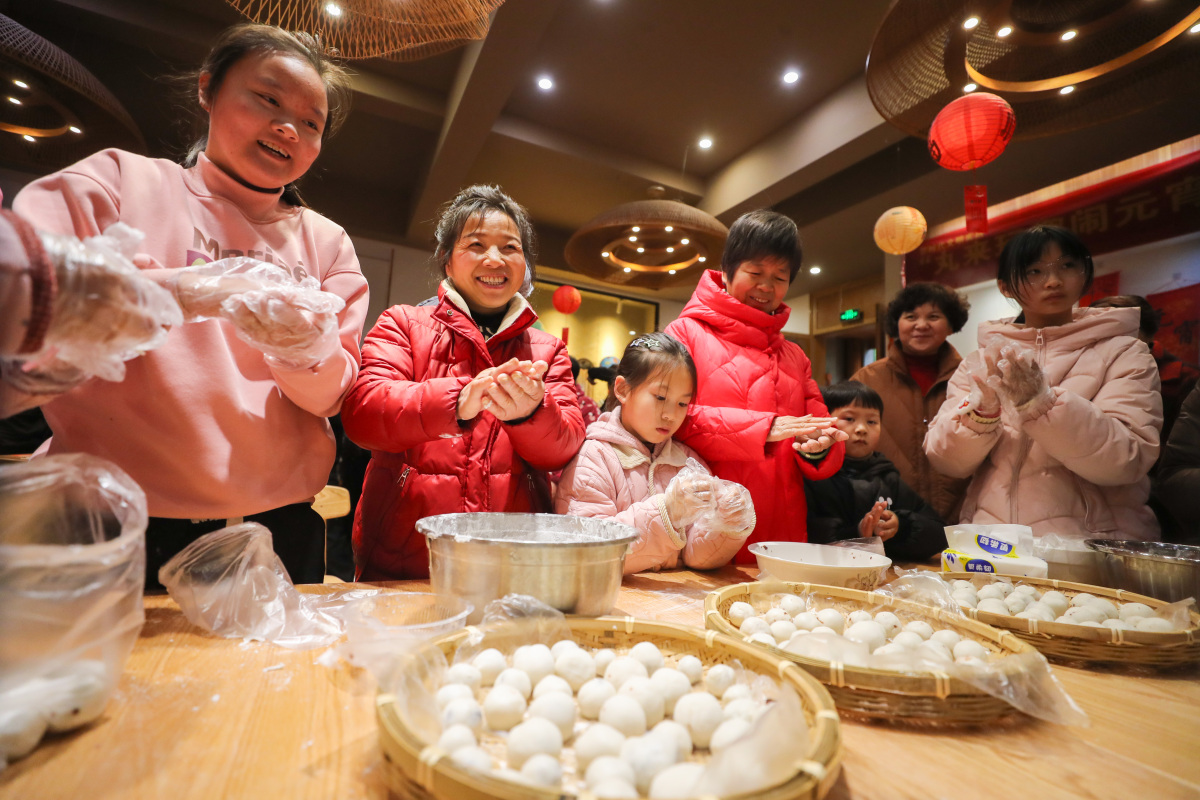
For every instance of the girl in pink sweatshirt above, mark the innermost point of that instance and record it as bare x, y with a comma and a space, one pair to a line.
629, 468
211, 428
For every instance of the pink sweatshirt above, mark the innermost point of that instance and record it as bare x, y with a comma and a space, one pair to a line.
203, 424
615, 476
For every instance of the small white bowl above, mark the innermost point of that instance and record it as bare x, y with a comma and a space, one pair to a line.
821, 563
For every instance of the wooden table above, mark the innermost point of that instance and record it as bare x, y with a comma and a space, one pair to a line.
201, 717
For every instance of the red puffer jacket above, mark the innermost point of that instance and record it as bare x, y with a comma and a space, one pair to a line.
402, 407
749, 375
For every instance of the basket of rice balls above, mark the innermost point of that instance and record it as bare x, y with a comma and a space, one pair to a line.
889, 659
1082, 623
605, 707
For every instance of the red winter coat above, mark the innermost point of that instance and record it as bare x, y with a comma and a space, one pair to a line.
402, 407
749, 375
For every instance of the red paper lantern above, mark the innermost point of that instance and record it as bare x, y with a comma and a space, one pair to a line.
567, 299
971, 131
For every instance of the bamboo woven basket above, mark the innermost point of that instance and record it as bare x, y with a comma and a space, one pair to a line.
1081, 643
933, 698
417, 768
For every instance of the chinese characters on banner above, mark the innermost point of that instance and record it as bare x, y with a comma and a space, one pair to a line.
1149, 205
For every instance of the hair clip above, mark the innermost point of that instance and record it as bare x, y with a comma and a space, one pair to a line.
648, 342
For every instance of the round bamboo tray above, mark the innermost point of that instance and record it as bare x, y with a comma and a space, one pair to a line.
1082, 643
930, 698
418, 768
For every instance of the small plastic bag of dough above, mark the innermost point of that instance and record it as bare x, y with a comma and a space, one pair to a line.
72, 569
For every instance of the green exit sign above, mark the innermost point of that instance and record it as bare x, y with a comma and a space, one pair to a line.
852, 315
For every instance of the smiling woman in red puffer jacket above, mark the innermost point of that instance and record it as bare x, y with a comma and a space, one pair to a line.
462, 403
757, 417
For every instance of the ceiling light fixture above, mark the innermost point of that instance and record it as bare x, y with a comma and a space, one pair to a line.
605, 254
670, 249
14, 101
74, 129
333, 10
791, 76
1005, 31
20, 84
633, 333
640, 250
633, 238
670, 272
705, 143
685, 241
636, 228
627, 269
1066, 90
970, 87
814, 270
545, 84
669, 228
28, 138
1068, 36
970, 22
1195, 28
702, 259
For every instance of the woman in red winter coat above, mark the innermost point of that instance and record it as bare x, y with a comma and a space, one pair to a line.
757, 417
463, 405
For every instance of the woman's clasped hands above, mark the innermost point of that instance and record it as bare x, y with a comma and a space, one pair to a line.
509, 391
813, 435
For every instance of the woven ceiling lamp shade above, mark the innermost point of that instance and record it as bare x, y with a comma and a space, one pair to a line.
1061, 65
648, 244
53, 112
400, 30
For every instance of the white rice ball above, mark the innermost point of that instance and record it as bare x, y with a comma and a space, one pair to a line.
1016, 602
676, 733
604, 768
1036, 611
920, 628
1107, 606
1082, 599
739, 611
744, 708
516, 679
966, 599
672, 684
603, 657
614, 789
739, 691
960, 584
1056, 601
908, 639
648, 756
763, 639
562, 646
622, 669
463, 711
890, 649
1027, 589
792, 604
558, 708
692, 667
642, 690
775, 615
728, 732
466, 674
991, 605
753, 625
676, 782
969, 648
596, 741
535, 660
782, 630
625, 714
1153, 625
533, 736
806, 620
1134, 610
1119, 624
455, 737
490, 663
859, 615
543, 770
503, 707
700, 713
648, 654
575, 667
990, 592
1085, 613
889, 621
832, 618
947, 637
475, 758
552, 683
869, 632
593, 695
452, 691
825, 630
719, 678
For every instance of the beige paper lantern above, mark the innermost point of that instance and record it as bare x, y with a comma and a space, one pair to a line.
900, 230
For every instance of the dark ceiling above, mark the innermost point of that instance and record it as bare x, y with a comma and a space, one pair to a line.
637, 83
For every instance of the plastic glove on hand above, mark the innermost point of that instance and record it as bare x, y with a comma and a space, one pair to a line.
689, 495
735, 509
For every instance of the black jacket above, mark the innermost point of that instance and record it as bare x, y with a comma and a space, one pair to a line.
1177, 485
836, 506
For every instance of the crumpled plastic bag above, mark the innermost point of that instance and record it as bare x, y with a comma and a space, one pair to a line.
293, 322
72, 569
230, 582
694, 496
105, 313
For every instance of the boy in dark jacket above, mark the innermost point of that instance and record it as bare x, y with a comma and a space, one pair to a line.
866, 497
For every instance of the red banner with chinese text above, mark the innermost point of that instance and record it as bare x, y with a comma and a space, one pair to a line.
1149, 205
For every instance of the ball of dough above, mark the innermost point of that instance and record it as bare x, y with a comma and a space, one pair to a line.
677, 734
558, 708
671, 684
642, 690
475, 758
692, 667
622, 669
746, 709
753, 625
859, 615
516, 679
1016, 602
869, 632
20, 730
992, 605
542, 770
677, 782
503, 707
1056, 601
463, 711
596, 741
946, 637
1153, 625
792, 604
466, 674
1107, 606
614, 789
1134, 610
535, 661
728, 732
889, 621
80, 695
920, 628
603, 657
1004, 585
533, 736
966, 599
1036, 611
575, 667
625, 714
739, 611
1120, 624
762, 638
490, 663
719, 678
455, 737
739, 691
825, 630
648, 756
775, 615
908, 639
552, 683
990, 592
806, 620
648, 654
592, 695
1027, 589
452, 691
1082, 599
832, 618
955, 585
605, 768
700, 713
969, 648
782, 630
1080, 614
890, 649
1090, 623
934, 651
562, 646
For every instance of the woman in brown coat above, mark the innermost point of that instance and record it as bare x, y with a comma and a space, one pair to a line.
912, 381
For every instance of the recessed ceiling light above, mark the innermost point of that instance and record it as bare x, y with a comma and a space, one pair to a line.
670, 272
14, 101
669, 228
633, 238
684, 241
814, 270
604, 254
28, 138
1195, 28
670, 249
633, 333
705, 143
1068, 36
1005, 31
627, 269
73, 129
333, 9
20, 84
641, 249
703, 259
970, 87
1066, 90
970, 22
636, 229
791, 76
545, 84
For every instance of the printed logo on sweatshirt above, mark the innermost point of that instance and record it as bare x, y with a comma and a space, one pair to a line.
207, 250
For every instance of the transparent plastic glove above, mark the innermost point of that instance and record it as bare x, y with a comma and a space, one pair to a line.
1020, 380
690, 494
983, 398
734, 513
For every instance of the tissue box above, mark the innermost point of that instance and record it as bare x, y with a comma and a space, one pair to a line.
993, 549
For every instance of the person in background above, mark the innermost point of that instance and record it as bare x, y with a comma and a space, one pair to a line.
214, 430
587, 406
913, 378
757, 416
868, 497
1177, 485
629, 469
462, 404
1056, 418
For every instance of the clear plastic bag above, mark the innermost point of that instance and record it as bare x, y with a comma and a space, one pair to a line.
695, 496
72, 569
291, 321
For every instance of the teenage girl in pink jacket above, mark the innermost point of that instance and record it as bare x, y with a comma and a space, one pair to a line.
629, 468
1057, 417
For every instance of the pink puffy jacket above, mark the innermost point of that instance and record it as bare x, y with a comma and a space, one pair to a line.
614, 475
1076, 466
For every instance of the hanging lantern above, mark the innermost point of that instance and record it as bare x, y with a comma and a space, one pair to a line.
900, 230
567, 299
971, 131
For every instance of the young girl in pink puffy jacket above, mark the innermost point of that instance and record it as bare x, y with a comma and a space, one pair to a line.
630, 469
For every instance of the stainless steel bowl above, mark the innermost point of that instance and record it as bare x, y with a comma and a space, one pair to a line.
571, 563
1167, 571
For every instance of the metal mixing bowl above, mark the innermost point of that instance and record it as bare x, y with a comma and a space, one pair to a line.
571, 563
1167, 571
